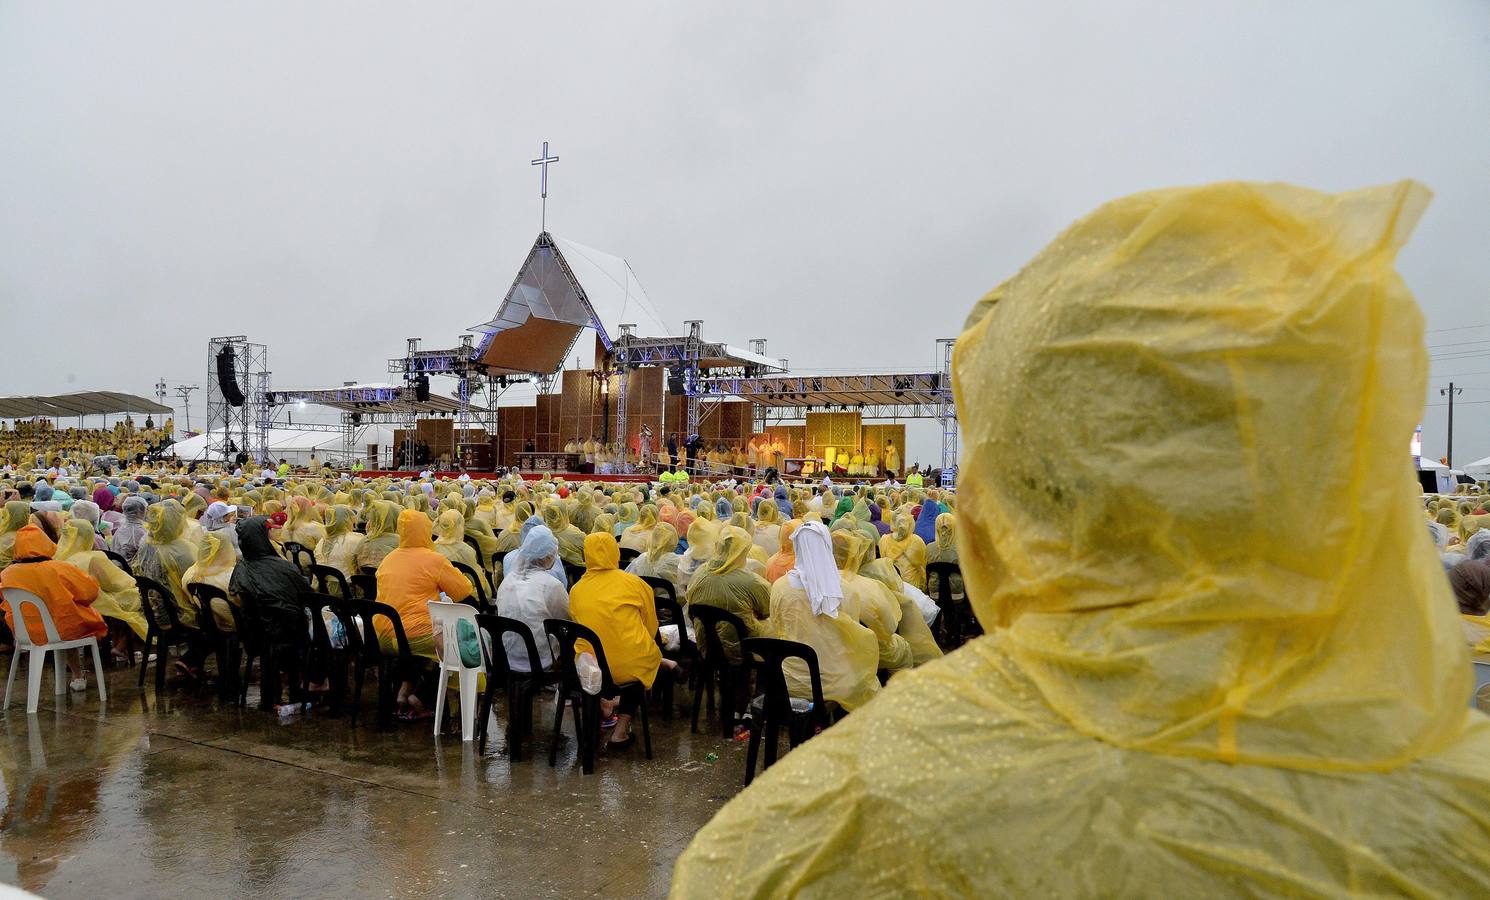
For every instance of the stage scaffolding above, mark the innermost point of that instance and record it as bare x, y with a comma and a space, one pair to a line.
242, 428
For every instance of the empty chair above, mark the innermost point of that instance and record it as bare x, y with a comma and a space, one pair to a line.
23, 603
165, 627
776, 707
365, 586
522, 687
715, 666
670, 613
459, 647
335, 641
220, 639
586, 706
330, 580
627, 555
301, 556
573, 572
391, 665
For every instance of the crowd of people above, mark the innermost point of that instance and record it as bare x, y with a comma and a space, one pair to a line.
721, 459
1203, 675
841, 568
39, 443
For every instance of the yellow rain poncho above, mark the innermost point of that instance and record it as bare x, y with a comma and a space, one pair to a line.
338, 549
703, 540
767, 526
869, 601
905, 548
847, 652
571, 539
912, 627
450, 542
512, 536
304, 525
660, 560
215, 561
165, 555
15, 516
1221, 681
381, 538
479, 531
724, 583
639, 536
944, 549
118, 597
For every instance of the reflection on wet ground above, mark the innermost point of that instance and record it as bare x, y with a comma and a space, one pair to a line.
181, 794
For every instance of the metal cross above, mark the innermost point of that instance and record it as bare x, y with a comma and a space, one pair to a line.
543, 160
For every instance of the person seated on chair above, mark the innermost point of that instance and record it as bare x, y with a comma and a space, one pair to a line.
67, 591
276, 588
620, 609
530, 594
1225, 682
409, 578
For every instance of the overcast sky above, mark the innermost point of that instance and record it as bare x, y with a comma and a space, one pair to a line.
844, 179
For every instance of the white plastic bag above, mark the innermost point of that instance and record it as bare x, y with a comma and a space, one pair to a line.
669, 637
588, 669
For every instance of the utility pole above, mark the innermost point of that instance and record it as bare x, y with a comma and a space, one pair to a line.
1449, 392
184, 392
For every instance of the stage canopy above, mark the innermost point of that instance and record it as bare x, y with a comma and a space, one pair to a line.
562, 289
86, 403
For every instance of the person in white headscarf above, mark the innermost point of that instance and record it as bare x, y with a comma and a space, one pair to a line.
222, 520
530, 594
804, 608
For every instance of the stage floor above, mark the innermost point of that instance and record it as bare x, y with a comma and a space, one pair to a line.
528, 476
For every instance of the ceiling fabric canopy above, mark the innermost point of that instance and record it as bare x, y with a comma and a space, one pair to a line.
85, 403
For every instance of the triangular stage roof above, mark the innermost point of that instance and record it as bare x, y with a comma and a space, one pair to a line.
562, 289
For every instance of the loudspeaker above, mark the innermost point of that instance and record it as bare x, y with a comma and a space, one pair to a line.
421, 388
675, 385
227, 376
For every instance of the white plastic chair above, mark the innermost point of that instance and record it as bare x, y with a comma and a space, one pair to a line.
19, 600
444, 619
1481, 678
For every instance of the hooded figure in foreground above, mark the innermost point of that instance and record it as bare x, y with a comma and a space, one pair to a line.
1203, 676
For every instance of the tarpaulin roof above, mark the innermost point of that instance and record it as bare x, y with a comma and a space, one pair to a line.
85, 403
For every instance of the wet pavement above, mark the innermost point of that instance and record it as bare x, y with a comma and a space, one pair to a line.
183, 795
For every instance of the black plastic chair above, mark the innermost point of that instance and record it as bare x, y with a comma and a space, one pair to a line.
627, 555
522, 687
586, 706
223, 642
335, 658
950, 625
330, 580
773, 708
713, 666
482, 604
665, 596
364, 587
475, 546
163, 619
301, 556
390, 666
119, 561
573, 573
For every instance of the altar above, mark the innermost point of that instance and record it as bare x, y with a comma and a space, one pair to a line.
550, 462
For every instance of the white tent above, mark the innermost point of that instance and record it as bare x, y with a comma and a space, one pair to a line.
1479, 470
297, 445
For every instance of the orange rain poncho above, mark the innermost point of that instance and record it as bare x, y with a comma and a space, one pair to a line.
410, 577
1220, 680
